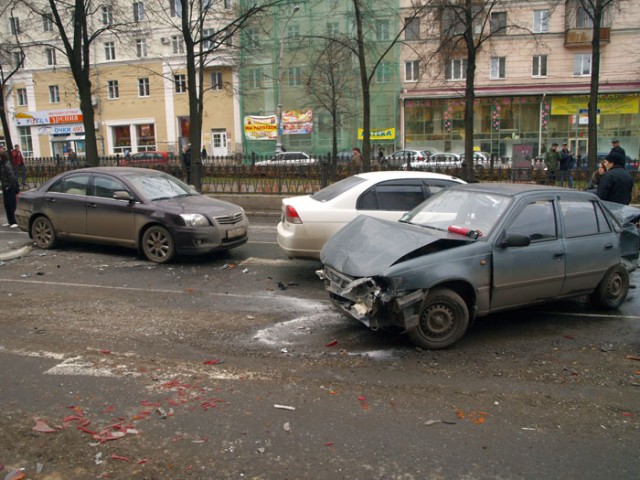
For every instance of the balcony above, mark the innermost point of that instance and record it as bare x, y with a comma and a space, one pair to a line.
581, 37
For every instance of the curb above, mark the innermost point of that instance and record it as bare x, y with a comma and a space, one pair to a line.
15, 253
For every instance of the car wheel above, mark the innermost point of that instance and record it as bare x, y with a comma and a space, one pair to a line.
444, 319
612, 290
157, 244
43, 233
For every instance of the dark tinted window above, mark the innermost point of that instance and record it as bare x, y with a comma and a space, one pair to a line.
338, 188
72, 185
537, 220
105, 187
394, 195
582, 218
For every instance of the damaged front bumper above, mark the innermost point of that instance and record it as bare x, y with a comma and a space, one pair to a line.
371, 302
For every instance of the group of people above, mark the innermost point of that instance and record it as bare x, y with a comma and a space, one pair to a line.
13, 173
611, 182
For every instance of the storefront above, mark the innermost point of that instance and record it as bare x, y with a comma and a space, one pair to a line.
62, 130
530, 122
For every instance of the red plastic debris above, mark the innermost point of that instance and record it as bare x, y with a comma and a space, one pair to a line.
104, 351
119, 457
42, 427
108, 409
142, 461
332, 343
569, 337
215, 361
328, 444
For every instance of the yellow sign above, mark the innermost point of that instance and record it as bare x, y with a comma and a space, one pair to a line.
607, 104
379, 134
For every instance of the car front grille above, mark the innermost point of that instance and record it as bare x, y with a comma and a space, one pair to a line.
336, 277
230, 219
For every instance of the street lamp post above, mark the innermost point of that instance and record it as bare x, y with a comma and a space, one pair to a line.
279, 87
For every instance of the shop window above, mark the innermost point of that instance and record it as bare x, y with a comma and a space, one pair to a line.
146, 137
26, 143
121, 138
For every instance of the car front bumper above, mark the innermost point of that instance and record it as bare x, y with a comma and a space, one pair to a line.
202, 240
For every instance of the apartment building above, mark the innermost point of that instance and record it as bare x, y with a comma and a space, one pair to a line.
138, 79
532, 80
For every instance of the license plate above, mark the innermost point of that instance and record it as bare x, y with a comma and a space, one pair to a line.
236, 232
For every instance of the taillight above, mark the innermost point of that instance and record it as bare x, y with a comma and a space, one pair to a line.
420, 158
290, 215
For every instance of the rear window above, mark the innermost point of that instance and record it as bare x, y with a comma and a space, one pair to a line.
338, 188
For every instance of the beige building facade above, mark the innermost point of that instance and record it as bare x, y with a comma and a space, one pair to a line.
532, 80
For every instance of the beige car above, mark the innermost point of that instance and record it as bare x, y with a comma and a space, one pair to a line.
139, 208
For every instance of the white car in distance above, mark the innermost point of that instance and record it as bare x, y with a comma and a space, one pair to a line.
308, 221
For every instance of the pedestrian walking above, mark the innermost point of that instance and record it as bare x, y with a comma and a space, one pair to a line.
565, 166
617, 184
20, 169
203, 154
551, 160
10, 188
73, 158
186, 163
356, 159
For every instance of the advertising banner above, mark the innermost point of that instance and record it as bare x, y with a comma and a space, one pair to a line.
49, 117
379, 134
261, 128
297, 122
607, 104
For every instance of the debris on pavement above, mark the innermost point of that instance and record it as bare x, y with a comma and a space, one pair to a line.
284, 407
43, 427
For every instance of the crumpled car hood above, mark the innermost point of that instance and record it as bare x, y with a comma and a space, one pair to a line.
368, 246
625, 213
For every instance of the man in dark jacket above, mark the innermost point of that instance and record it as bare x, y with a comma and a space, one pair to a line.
616, 185
10, 189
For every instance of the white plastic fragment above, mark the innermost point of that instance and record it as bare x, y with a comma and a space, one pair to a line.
284, 407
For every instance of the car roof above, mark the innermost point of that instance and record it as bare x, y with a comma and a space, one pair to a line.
118, 170
517, 189
393, 174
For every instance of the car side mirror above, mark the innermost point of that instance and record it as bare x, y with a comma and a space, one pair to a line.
515, 240
122, 195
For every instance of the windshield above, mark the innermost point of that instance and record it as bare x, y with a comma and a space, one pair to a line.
477, 211
160, 186
335, 189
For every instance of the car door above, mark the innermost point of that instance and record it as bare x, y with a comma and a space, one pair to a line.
110, 219
591, 244
66, 204
522, 275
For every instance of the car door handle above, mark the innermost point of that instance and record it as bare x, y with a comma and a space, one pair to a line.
558, 255
608, 246
92, 205
50, 200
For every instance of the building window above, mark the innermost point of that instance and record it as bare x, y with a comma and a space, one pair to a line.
227, 4
412, 71
208, 38
216, 80
498, 67
382, 30
294, 74
540, 21
54, 94
113, 89
22, 97
15, 25
539, 68
18, 58
333, 29
293, 31
254, 79
109, 51
583, 20
138, 11
143, 87
176, 8
498, 22
582, 65
141, 47
180, 82
50, 53
412, 30
383, 73
107, 15
177, 43
47, 22
121, 138
456, 69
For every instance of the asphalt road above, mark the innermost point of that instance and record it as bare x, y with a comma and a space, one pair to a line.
236, 366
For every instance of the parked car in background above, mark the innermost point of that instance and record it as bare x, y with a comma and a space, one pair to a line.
287, 159
139, 208
343, 157
145, 159
437, 161
476, 249
401, 157
308, 221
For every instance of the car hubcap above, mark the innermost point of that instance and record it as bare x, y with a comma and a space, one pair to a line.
439, 320
158, 245
615, 287
42, 233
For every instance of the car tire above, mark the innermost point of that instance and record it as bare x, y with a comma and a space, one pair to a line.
444, 319
612, 289
43, 233
158, 245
